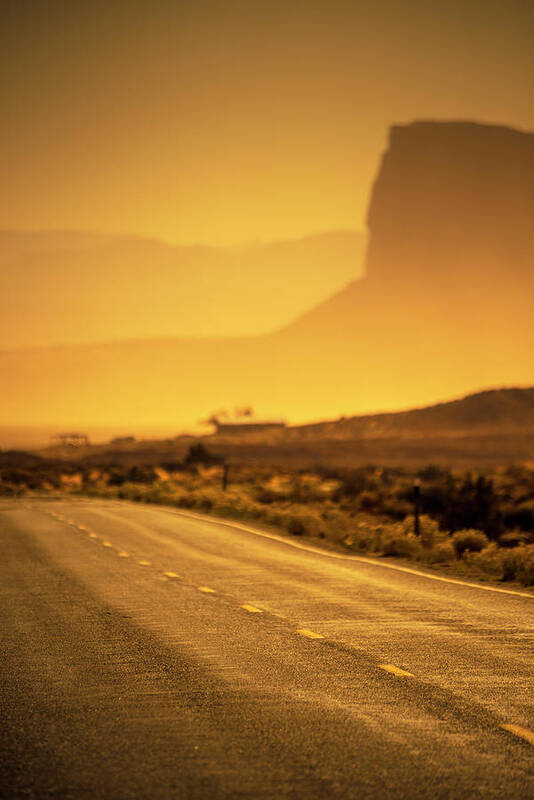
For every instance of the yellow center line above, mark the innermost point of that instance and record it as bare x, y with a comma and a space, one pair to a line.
70, 522
523, 733
123, 554
144, 563
252, 609
82, 528
310, 634
107, 544
401, 673
206, 589
93, 535
171, 575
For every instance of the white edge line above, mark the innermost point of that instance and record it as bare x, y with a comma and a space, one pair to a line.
325, 553
342, 557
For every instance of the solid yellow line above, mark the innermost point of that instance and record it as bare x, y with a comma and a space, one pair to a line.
206, 589
252, 609
123, 554
396, 670
310, 634
523, 733
171, 575
107, 544
144, 563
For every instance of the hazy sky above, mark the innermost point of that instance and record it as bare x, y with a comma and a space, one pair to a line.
223, 122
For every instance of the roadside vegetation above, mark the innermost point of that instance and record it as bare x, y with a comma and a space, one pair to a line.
477, 525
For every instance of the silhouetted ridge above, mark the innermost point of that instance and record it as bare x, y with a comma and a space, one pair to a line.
495, 412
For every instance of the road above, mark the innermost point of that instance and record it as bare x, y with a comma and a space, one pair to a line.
152, 654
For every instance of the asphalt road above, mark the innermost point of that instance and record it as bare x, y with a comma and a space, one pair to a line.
150, 654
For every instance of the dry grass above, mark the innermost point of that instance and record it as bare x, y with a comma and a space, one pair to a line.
365, 511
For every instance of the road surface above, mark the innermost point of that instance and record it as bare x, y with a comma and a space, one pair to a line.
151, 654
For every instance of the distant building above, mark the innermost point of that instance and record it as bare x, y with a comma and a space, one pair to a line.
71, 439
237, 427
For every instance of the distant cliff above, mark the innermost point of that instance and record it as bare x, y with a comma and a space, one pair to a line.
453, 201
446, 309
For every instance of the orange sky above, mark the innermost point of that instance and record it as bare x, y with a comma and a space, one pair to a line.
224, 122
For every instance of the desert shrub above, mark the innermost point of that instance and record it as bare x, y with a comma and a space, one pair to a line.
490, 561
442, 553
513, 539
473, 505
396, 507
130, 491
396, 542
471, 540
432, 472
429, 532
185, 501
515, 564
172, 466
141, 475
11, 490
265, 495
274, 517
370, 500
295, 526
19, 477
116, 477
521, 516
525, 570
510, 563
350, 486
204, 503
198, 454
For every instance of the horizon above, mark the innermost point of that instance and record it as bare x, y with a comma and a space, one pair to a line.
224, 170
37, 437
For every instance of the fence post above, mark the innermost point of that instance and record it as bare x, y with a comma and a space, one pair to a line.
416, 506
226, 468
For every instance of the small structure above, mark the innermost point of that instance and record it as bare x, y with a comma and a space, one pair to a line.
71, 439
238, 427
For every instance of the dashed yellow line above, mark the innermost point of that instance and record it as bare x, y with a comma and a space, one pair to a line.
401, 673
171, 575
144, 563
107, 544
523, 733
92, 535
310, 634
123, 554
252, 609
81, 528
206, 589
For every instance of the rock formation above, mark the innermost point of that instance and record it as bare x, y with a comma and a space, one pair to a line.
453, 202
445, 309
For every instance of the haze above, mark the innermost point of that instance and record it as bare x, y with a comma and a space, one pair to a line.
257, 131
214, 122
